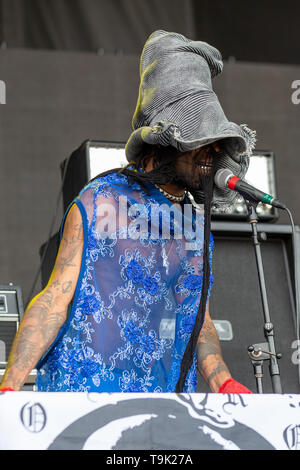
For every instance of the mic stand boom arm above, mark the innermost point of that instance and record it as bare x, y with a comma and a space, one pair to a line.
263, 351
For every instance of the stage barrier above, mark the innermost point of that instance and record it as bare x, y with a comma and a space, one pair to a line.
149, 421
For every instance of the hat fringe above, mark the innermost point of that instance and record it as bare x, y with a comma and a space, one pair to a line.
250, 137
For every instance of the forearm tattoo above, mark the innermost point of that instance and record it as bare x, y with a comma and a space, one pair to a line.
36, 334
209, 356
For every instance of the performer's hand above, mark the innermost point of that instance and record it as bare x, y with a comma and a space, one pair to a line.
232, 386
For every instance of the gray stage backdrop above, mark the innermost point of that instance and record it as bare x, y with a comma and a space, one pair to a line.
56, 100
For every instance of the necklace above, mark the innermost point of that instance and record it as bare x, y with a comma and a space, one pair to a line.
171, 197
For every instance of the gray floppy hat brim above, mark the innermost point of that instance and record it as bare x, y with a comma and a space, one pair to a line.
167, 133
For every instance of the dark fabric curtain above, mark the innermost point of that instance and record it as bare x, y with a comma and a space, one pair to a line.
265, 31
108, 26
255, 31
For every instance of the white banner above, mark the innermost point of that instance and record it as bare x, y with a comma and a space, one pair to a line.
166, 421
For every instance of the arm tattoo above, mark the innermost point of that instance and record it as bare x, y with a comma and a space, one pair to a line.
221, 367
71, 244
209, 356
66, 287
39, 331
67, 261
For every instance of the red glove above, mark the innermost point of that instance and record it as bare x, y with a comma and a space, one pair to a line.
232, 386
6, 389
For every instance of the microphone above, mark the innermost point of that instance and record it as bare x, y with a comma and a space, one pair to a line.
225, 179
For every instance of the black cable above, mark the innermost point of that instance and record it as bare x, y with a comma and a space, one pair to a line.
296, 283
50, 232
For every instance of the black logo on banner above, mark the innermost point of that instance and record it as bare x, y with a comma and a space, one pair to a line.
292, 436
33, 417
170, 426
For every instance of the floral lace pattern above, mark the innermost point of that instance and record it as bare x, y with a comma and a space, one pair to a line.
134, 307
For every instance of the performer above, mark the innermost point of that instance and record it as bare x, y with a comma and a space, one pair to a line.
126, 308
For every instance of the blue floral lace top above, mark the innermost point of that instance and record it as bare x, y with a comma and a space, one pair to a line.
137, 293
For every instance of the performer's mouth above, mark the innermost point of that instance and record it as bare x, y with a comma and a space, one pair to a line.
205, 165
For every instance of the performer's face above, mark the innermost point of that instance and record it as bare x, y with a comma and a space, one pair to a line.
192, 166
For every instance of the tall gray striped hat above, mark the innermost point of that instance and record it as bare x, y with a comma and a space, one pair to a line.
177, 105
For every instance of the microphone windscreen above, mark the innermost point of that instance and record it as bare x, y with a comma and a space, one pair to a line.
221, 178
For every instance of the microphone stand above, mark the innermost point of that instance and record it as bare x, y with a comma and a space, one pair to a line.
260, 352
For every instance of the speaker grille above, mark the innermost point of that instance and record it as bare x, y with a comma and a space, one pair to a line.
236, 298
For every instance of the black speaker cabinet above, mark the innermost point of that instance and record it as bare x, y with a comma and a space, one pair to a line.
11, 312
91, 158
236, 306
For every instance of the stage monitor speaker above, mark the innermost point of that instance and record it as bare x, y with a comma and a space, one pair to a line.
236, 306
87, 161
11, 312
